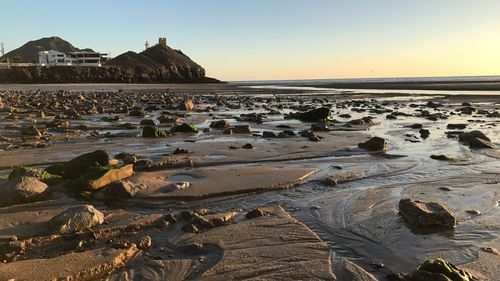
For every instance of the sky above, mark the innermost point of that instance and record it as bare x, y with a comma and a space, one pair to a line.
278, 39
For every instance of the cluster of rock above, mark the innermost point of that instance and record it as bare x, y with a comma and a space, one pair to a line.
433, 270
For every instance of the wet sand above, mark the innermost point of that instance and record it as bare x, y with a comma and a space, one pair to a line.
330, 207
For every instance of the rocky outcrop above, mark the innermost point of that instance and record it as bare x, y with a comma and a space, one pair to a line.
76, 219
98, 178
426, 214
80, 165
314, 115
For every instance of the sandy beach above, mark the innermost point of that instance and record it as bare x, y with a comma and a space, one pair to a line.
232, 182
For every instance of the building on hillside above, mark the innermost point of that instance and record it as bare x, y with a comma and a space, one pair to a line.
81, 58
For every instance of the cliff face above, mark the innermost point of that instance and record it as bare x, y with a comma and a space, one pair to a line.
158, 64
108, 74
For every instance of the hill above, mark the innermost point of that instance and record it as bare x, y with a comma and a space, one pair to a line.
29, 51
160, 62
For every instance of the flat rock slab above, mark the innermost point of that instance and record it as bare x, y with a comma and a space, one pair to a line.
424, 214
72, 266
274, 247
213, 182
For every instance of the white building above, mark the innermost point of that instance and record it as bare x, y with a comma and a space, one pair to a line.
82, 58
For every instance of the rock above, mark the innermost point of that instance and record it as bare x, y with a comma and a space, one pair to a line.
481, 143
374, 144
443, 267
220, 124
22, 189
184, 128
473, 212
422, 275
490, 250
153, 132
178, 151
122, 189
456, 126
467, 137
80, 165
31, 130
315, 115
398, 277
240, 129
255, 213
426, 214
145, 242
424, 133
415, 126
445, 188
320, 127
247, 146
98, 178
186, 105
1, 104
269, 134
442, 157
76, 219
148, 122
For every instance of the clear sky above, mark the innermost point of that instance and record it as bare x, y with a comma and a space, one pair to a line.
279, 39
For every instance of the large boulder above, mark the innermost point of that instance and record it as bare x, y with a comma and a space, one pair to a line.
374, 144
426, 214
21, 190
76, 219
80, 165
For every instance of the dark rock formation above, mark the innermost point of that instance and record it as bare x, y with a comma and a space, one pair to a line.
426, 214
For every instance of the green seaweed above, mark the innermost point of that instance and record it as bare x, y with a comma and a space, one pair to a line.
444, 267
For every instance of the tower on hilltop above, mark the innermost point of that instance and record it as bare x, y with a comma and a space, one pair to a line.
162, 41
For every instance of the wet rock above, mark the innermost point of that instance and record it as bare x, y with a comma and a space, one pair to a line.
473, 212
148, 122
122, 189
220, 124
490, 250
426, 214
100, 177
445, 188
80, 165
269, 134
424, 133
255, 213
315, 115
127, 158
374, 144
247, 146
456, 126
76, 219
184, 128
481, 143
438, 267
31, 130
153, 132
240, 129
167, 119
179, 151
22, 189
415, 126
398, 277
442, 157
468, 136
